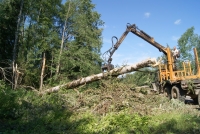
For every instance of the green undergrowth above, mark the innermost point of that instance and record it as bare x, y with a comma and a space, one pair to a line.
175, 122
114, 108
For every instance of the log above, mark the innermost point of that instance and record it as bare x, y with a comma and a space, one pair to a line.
103, 75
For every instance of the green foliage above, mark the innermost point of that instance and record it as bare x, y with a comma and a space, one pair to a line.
122, 122
8, 102
27, 112
186, 43
110, 107
82, 54
8, 17
142, 77
73, 111
175, 123
41, 31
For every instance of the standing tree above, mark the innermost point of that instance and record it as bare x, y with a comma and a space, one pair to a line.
186, 43
48, 38
40, 37
11, 13
65, 31
14, 65
81, 55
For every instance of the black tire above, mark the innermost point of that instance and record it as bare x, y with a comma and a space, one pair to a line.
167, 92
199, 98
177, 93
195, 100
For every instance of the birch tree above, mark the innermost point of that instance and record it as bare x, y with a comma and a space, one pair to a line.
114, 72
81, 56
63, 36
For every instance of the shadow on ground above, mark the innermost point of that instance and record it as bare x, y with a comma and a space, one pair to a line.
29, 113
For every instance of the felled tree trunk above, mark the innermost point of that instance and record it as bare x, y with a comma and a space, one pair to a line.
113, 72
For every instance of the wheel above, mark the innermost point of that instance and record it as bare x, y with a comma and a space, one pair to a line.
167, 92
177, 93
199, 98
195, 100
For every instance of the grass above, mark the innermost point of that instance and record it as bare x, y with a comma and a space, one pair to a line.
113, 108
174, 122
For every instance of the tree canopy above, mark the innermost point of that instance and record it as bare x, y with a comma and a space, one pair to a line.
47, 42
186, 43
67, 35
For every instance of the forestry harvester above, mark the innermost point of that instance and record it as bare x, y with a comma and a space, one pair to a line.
174, 83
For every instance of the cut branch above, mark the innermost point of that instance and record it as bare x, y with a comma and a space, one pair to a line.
114, 72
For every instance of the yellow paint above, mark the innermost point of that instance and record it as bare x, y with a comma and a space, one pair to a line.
166, 71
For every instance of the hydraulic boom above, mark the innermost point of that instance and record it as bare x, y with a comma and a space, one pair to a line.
135, 30
176, 83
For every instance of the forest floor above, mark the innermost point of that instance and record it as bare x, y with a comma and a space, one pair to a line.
114, 107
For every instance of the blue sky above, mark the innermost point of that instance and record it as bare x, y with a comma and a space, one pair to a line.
165, 20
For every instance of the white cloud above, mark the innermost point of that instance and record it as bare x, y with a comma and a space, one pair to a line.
147, 14
107, 41
177, 22
175, 38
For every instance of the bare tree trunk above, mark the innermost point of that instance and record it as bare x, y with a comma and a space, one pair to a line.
42, 72
62, 42
114, 72
51, 66
15, 44
16, 76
